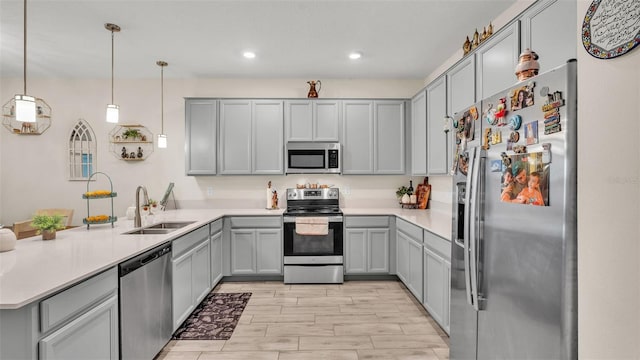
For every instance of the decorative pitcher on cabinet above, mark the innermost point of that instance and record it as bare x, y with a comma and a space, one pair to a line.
313, 93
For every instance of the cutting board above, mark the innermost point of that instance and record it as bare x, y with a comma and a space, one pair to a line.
422, 192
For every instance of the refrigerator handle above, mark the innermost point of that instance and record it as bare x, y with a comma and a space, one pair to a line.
467, 225
475, 173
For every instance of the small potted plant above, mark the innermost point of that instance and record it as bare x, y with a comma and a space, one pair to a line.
131, 134
47, 225
400, 194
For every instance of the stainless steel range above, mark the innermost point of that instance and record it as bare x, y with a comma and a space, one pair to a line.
313, 251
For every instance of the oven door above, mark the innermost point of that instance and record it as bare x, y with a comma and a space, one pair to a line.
313, 245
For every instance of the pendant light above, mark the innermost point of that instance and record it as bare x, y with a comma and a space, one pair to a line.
113, 110
25, 105
162, 137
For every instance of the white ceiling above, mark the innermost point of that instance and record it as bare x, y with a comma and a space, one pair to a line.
292, 38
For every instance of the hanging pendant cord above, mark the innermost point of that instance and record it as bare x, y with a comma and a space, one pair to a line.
24, 59
162, 99
112, 67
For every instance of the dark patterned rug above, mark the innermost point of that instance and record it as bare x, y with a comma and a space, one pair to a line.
215, 318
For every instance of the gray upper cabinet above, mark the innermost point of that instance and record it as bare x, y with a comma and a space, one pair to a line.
497, 59
373, 137
235, 136
419, 134
200, 136
357, 150
389, 137
312, 120
268, 147
251, 137
548, 28
461, 85
437, 147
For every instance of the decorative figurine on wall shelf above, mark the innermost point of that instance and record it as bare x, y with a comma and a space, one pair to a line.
528, 65
124, 153
139, 152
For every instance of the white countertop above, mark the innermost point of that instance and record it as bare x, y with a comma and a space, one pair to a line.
37, 268
436, 222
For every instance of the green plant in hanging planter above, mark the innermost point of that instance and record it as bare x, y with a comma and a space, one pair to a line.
131, 133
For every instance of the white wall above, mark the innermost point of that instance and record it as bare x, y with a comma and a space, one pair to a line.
34, 168
608, 204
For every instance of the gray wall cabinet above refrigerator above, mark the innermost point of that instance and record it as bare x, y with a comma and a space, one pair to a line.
555, 43
497, 60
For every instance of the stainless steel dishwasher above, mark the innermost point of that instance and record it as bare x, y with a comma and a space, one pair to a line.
145, 304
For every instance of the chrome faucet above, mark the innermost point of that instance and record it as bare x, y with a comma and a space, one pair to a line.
137, 221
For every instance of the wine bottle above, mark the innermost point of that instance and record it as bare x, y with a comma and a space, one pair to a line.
410, 190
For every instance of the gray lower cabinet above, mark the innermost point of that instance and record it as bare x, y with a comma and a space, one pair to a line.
437, 146
409, 256
497, 59
367, 251
373, 137
256, 251
437, 278
191, 273
80, 322
251, 137
554, 44
200, 136
93, 335
419, 134
256, 245
312, 120
216, 252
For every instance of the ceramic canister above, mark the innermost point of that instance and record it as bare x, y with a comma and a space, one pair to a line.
7, 240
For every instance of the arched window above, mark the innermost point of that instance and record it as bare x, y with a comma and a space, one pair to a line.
82, 151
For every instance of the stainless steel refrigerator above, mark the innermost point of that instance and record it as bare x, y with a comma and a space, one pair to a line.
514, 249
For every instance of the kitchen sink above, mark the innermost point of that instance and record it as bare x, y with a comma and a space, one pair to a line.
148, 231
170, 225
160, 228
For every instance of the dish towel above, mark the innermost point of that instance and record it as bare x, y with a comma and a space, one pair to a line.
312, 225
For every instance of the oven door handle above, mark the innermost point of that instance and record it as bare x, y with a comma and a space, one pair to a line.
332, 219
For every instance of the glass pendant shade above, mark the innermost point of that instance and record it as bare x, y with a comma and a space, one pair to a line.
25, 108
113, 113
162, 141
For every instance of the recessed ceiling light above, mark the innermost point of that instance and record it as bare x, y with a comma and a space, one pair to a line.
355, 56
249, 54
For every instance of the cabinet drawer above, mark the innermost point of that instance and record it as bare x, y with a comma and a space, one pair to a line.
186, 242
366, 221
77, 299
437, 245
256, 222
415, 232
215, 227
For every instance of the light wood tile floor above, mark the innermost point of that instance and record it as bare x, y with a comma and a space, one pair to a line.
357, 320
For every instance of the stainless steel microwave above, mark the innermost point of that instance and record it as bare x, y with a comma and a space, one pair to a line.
313, 158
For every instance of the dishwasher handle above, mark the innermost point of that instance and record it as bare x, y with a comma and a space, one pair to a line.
143, 259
